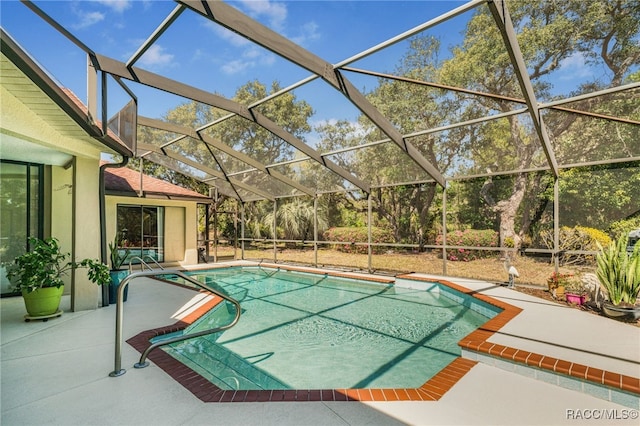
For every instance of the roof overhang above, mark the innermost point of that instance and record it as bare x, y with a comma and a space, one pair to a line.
23, 78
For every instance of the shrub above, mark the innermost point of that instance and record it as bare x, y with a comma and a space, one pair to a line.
622, 228
358, 235
619, 272
579, 238
596, 236
471, 238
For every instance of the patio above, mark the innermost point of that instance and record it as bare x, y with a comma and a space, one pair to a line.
56, 372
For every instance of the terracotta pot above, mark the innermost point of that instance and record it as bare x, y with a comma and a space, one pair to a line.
558, 292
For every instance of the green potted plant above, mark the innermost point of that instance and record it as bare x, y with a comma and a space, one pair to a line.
117, 258
557, 282
38, 275
618, 271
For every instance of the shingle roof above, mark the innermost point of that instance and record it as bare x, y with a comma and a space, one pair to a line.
125, 181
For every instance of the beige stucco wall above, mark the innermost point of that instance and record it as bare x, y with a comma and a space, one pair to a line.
86, 230
180, 226
76, 225
61, 225
71, 194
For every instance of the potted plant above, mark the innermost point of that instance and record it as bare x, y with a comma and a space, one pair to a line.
575, 292
557, 282
618, 272
117, 275
38, 275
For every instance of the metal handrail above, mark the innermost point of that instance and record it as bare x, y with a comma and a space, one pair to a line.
143, 263
118, 370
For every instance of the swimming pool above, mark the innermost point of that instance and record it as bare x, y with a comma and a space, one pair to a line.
309, 331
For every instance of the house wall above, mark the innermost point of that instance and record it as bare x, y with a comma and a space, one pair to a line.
71, 212
180, 226
60, 211
74, 219
86, 230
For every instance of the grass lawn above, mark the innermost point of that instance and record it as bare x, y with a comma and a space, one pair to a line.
532, 271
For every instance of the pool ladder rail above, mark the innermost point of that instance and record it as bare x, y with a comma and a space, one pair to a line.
118, 370
143, 263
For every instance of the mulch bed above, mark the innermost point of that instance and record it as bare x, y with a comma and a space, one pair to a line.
546, 295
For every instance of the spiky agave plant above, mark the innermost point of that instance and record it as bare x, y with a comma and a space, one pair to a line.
619, 271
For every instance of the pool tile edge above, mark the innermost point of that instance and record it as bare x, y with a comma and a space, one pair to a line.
477, 342
473, 344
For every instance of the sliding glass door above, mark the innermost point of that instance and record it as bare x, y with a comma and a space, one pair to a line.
142, 232
21, 211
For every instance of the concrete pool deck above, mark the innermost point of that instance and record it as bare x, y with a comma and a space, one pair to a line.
56, 372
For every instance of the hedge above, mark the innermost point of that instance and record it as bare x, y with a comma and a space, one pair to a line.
471, 238
354, 235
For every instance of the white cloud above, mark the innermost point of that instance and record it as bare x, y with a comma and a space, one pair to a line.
116, 5
575, 66
308, 32
250, 58
275, 12
88, 19
249, 55
156, 56
237, 66
228, 35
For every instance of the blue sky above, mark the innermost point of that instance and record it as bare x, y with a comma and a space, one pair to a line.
202, 54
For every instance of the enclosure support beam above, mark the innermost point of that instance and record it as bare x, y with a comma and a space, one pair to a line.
444, 231
235, 183
234, 20
549, 105
215, 226
556, 222
156, 81
241, 229
502, 18
275, 228
219, 145
207, 232
175, 13
315, 231
369, 251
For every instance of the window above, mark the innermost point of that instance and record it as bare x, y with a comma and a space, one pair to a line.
21, 211
142, 232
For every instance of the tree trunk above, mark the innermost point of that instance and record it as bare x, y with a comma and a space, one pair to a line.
508, 209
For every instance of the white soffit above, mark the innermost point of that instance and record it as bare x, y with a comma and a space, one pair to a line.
13, 148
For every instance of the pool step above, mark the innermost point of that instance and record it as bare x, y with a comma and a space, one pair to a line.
223, 367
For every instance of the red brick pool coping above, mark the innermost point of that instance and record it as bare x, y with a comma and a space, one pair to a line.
432, 390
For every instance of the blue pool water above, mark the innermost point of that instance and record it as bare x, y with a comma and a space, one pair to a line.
309, 331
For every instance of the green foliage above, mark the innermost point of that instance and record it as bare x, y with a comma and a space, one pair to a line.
559, 279
45, 265
295, 219
354, 235
596, 236
599, 195
470, 238
578, 238
508, 242
623, 227
116, 258
549, 32
619, 271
